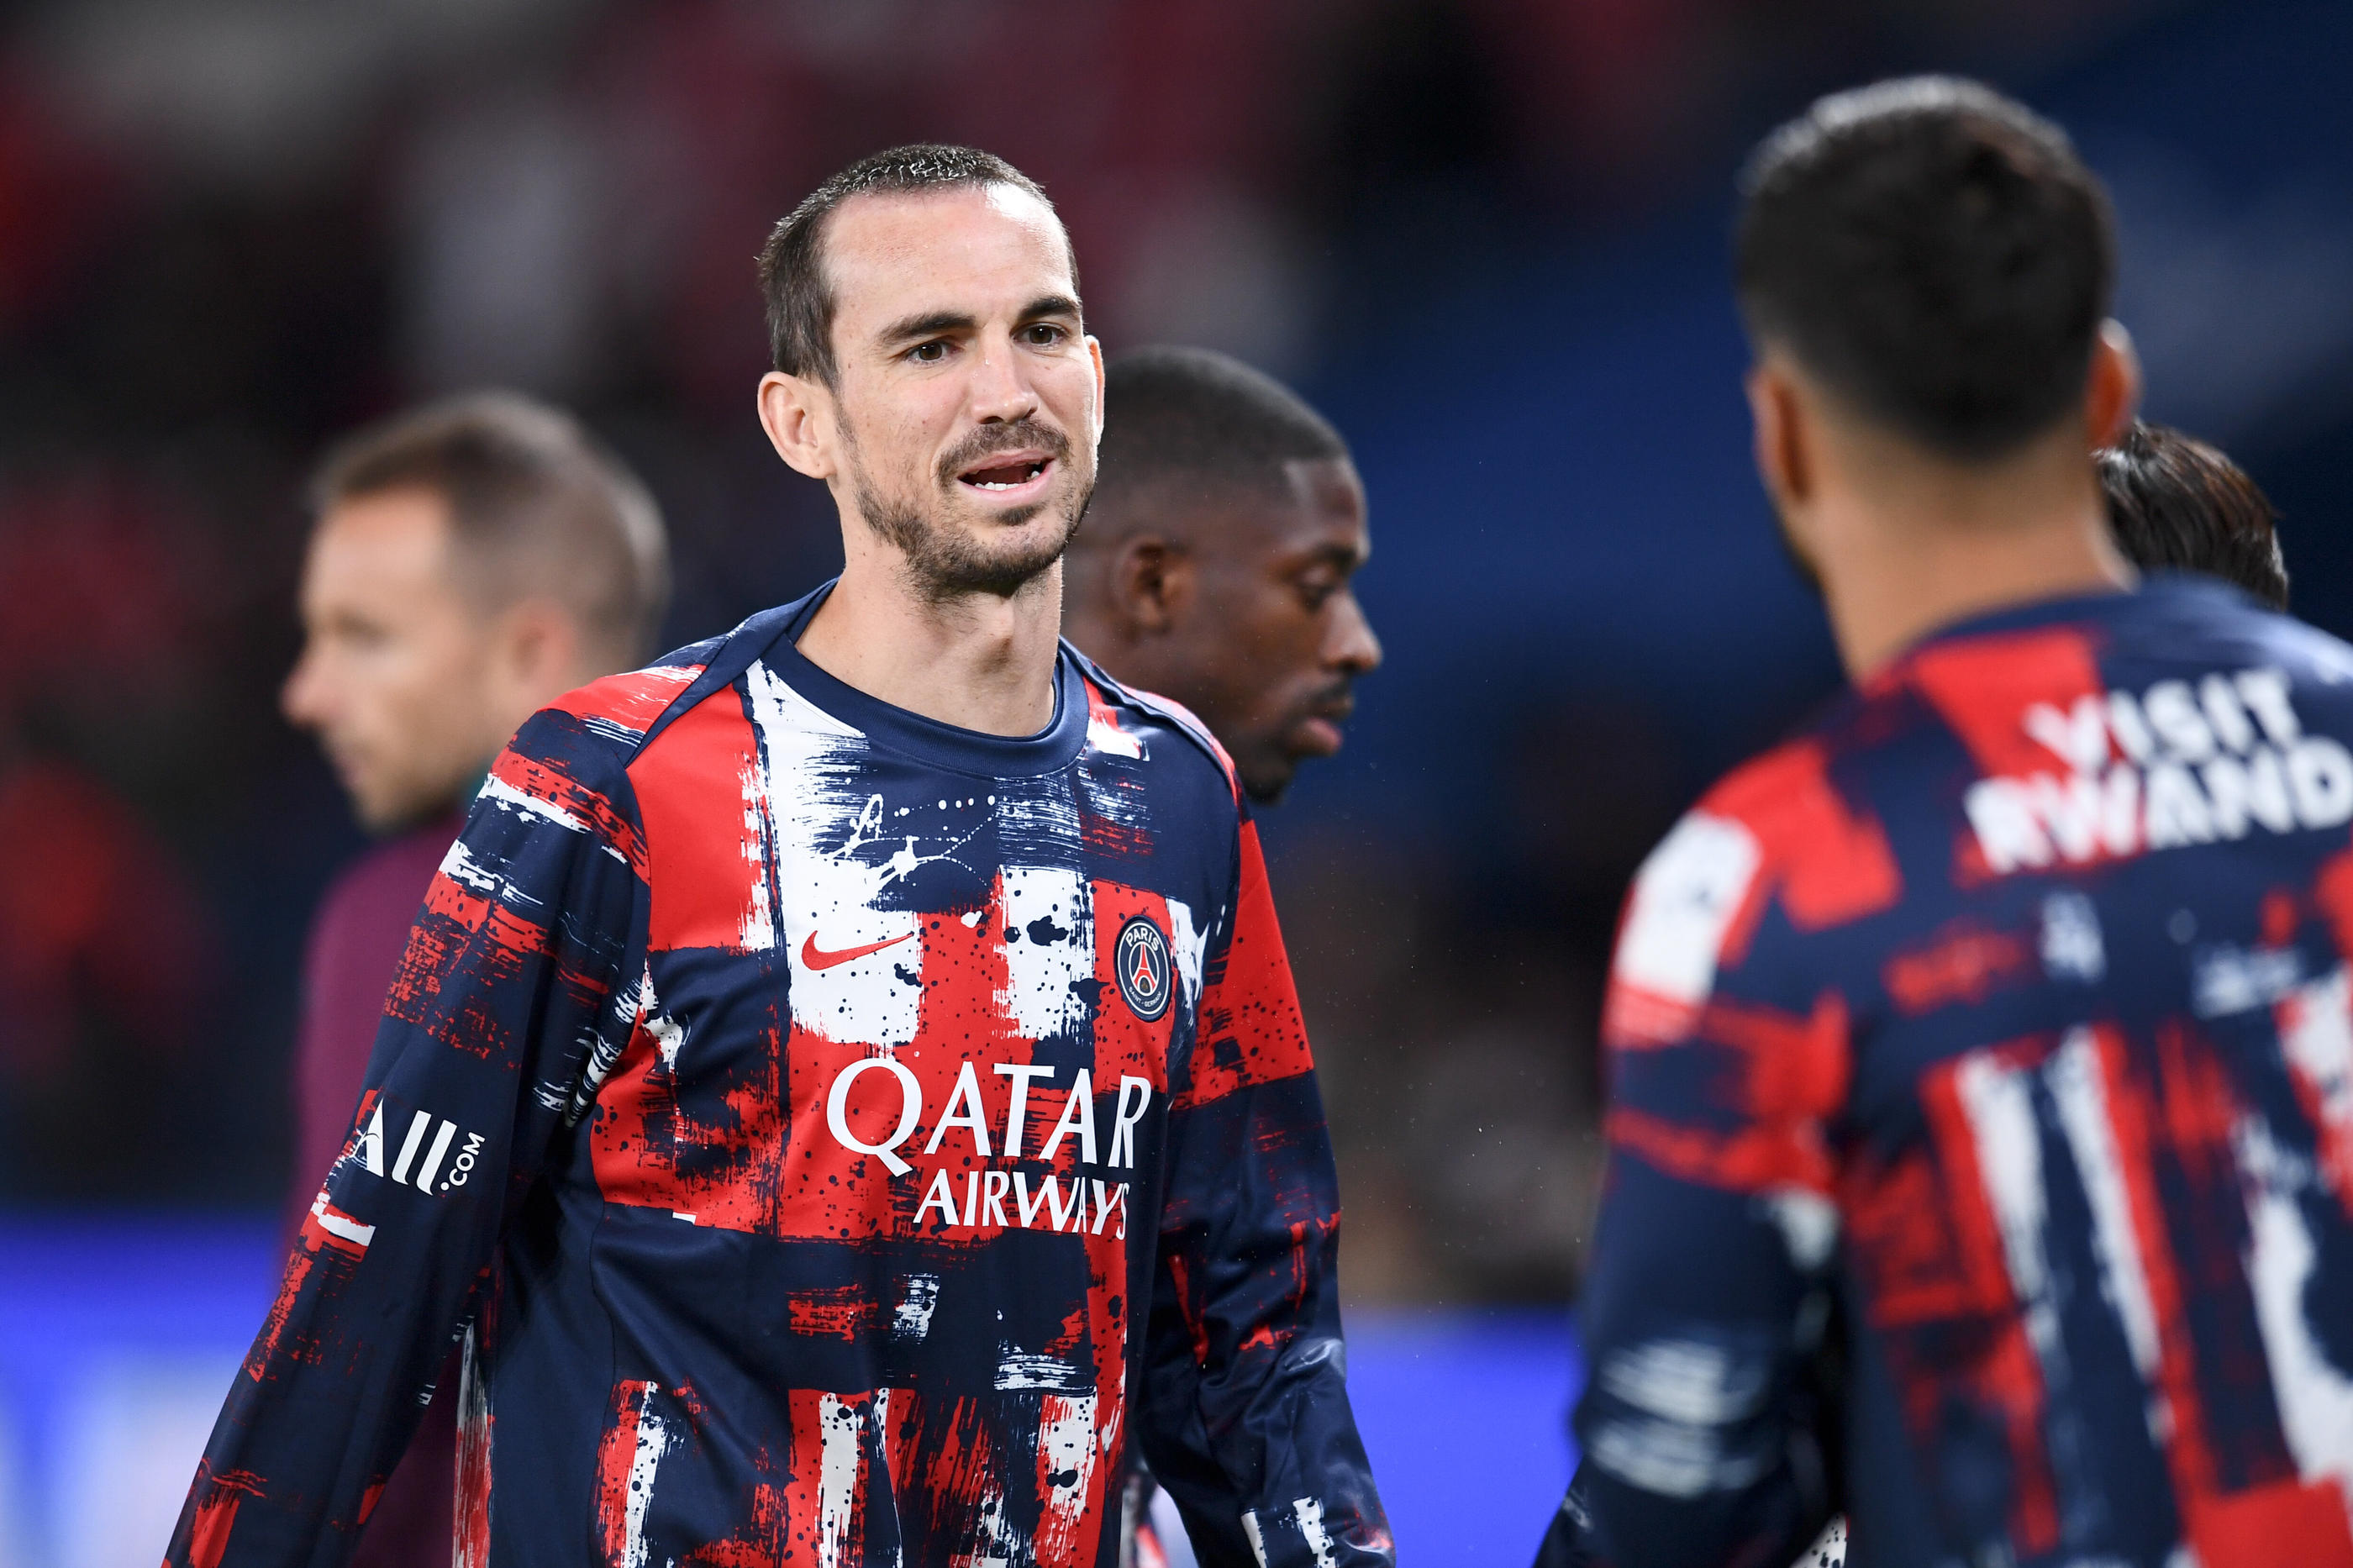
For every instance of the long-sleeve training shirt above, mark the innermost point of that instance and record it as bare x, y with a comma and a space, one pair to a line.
832, 1136
2011, 1003
357, 938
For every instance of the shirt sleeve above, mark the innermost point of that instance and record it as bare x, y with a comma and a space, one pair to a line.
1246, 1418
1708, 1289
513, 991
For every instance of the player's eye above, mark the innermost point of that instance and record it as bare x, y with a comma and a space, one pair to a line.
1316, 590
931, 353
1043, 335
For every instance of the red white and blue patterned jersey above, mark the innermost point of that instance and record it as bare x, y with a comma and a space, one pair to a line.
2010, 1004
834, 1137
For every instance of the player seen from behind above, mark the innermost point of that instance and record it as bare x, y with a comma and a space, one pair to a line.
472, 560
2010, 1001
845, 1085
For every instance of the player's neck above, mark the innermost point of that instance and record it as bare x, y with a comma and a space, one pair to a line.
1909, 558
979, 661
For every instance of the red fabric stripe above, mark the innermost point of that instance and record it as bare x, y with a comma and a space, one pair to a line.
617, 1453
540, 781
697, 789
1829, 861
1250, 999
2286, 1523
2131, 1119
2004, 1374
1983, 686
632, 701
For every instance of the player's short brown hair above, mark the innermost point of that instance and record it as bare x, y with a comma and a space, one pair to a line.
2175, 502
536, 505
793, 283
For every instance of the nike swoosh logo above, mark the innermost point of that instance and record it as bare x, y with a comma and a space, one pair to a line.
816, 957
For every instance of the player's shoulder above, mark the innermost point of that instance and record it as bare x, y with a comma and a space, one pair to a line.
621, 715
1126, 721
2198, 621
1798, 818
624, 710
1780, 848
575, 759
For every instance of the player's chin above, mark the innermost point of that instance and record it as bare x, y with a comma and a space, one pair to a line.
386, 808
1266, 780
1047, 516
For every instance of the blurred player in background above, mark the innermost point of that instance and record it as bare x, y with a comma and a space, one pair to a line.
845, 1084
2175, 502
2008, 1001
1216, 566
1215, 563
472, 560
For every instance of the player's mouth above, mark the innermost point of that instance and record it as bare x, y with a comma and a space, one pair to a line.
1318, 732
1009, 476
342, 761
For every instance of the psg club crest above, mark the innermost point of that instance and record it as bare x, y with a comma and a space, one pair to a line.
1143, 967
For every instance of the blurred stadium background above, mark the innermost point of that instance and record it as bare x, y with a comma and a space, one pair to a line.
1486, 237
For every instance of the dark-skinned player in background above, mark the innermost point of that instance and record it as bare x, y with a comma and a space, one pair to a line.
2010, 1003
471, 562
1216, 567
1217, 560
845, 1084
2175, 503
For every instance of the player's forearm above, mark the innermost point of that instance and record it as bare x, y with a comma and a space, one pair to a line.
1254, 1248
506, 990
1695, 1426
333, 1388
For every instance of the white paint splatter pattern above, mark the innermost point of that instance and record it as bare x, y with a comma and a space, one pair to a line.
840, 1435
2314, 1397
653, 1441
1309, 1511
1685, 899
1066, 1457
2317, 1031
2079, 1089
1999, 1105
1042, 996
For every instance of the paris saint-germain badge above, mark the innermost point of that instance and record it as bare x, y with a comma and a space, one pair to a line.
1142, 965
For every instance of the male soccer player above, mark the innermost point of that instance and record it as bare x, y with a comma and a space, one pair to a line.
2009, 1001
2175, 502
846, 1082
1216, 566
1218, 556
472, 560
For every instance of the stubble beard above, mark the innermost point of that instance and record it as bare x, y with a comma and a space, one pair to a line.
945, 561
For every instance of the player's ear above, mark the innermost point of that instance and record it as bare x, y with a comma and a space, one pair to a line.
797, 413
2112, 390
1096, 355
1783, 462
1151, 582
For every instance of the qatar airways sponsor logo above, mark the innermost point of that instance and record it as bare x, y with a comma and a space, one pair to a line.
892, 1094
2179, 763
434, 1154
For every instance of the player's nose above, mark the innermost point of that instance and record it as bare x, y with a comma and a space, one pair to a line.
303, 697
1000, 390
1350, 643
